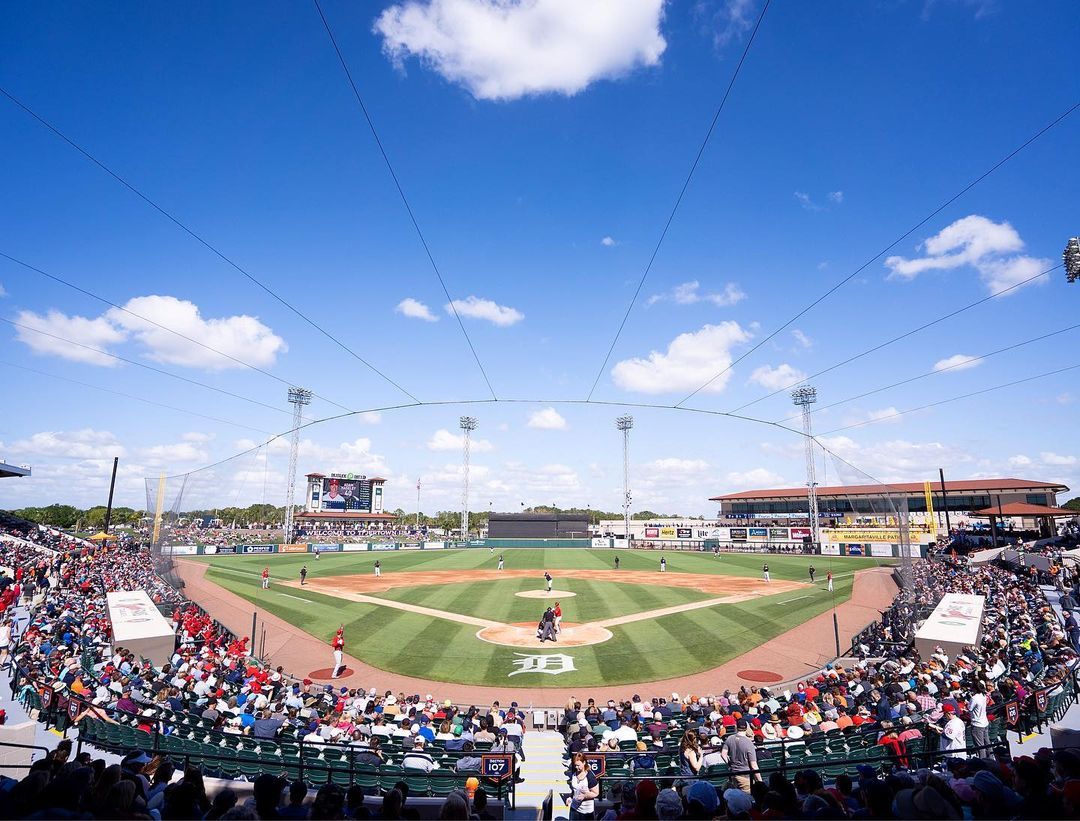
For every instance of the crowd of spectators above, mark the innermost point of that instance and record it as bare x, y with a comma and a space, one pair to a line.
889, 692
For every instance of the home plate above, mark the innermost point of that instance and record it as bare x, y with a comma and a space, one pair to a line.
543, 594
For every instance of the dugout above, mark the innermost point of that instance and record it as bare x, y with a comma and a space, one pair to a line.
538, 526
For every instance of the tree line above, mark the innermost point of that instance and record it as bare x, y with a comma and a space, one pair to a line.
69, 516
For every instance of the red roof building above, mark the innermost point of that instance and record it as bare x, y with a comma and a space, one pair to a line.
962, 495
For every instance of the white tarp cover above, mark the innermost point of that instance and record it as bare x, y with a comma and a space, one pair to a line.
139, 627
985, 556
956, 623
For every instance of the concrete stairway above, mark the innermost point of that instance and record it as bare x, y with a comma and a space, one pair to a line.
544, 771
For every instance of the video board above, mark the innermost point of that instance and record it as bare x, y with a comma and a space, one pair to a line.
345, 495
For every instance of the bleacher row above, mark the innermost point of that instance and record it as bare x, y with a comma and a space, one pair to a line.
225, 755
831, 753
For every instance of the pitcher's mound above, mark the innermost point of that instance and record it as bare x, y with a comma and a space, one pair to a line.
543, 594
523, 634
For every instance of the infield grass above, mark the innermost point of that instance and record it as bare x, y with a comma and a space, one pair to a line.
443, 650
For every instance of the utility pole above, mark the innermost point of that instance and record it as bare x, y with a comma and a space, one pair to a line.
418, 504
626, 424
803, 398
468, 425
298, 398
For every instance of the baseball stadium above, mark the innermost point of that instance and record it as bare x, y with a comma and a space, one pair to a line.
531, 410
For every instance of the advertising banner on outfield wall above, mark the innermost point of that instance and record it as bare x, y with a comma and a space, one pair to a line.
778, 534
854, 549
667, 533
383, 546
434, 545
652, 533
759, 533
830, 550
881, 550
684, 532
799, 533
355, 547
181, 549
259, 548
211, 550
410, 545
600, 542
738, 534
326, 548
292, 548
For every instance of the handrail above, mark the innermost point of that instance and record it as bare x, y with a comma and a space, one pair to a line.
21, 747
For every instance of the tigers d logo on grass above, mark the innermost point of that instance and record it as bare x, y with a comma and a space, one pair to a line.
553, 663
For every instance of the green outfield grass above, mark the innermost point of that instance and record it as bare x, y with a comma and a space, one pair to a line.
444, 650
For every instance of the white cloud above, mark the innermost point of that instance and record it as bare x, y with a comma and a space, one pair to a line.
803, 340
754, 478
176, 452
1049, 458
836, 197
476, 308
889, 414
894, 460
443, 439
1020, 461
371, 417
689, 293
957, 362
805, 201
779, 378
608, 242
547, 419
85, 443
729, 22
976, 241
3, 292
691, 360
240, 336
198, 437
414, 309
502, 50
97, 333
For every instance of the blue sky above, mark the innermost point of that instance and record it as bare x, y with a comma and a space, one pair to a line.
541, 147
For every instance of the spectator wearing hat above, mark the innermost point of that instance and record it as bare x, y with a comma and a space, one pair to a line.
668, 805
953, 733
418, 758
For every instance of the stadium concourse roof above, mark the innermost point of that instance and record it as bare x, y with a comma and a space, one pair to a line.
1020, 509
8, 471
914, 488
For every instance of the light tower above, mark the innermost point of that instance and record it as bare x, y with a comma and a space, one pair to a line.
625, 423
804, 398
468, 425
1071, 258
298, 398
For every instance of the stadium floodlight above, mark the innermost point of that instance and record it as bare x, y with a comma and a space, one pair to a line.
1071, 256
298, 398
468, 425
625, 424
803, 398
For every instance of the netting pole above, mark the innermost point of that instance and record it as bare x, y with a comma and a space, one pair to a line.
298, 397
803, 398
157, 510
905, 547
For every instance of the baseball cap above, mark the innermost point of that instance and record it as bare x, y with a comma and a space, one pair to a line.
737, 801
704, 793
668, 804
